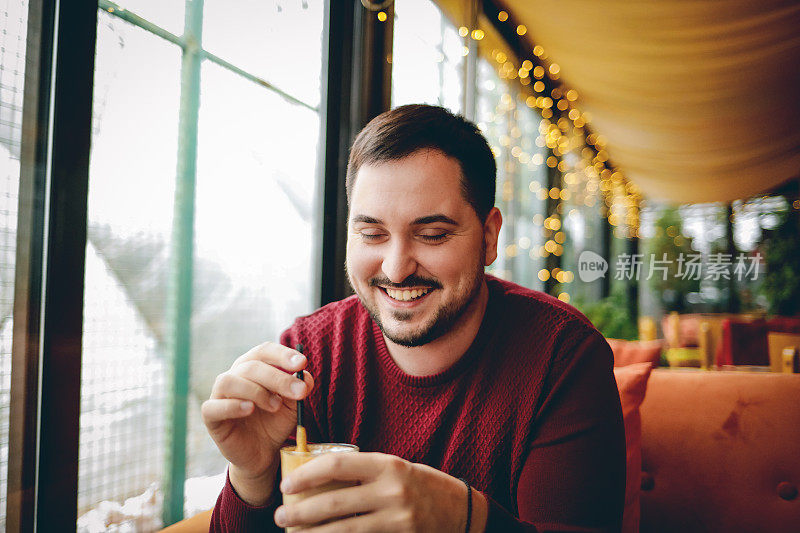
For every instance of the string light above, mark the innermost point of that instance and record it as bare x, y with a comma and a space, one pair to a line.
581, 156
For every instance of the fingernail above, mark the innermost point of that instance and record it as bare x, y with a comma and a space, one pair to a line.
286, 486
280, 516
297, 359
298, 388
275, 401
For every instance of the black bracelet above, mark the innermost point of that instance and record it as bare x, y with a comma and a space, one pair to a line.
469, 504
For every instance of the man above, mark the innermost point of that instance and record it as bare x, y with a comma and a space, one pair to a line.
460, 385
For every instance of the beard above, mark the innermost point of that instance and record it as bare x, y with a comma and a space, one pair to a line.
445, 317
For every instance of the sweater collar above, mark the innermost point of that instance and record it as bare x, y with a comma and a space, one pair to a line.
461, 365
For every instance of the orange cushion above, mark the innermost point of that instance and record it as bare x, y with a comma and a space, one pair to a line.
629, 352
632, 385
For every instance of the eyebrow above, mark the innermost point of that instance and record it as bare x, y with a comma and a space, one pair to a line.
428, 219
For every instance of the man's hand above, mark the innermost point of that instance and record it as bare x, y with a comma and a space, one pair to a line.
393, 495
252, 411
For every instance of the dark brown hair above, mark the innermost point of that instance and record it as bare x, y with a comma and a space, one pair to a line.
404, 130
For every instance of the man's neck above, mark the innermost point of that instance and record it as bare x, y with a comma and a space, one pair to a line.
439, 355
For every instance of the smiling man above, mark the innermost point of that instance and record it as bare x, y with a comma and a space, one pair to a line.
484, 406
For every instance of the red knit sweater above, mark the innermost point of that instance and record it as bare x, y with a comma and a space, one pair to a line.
530, 415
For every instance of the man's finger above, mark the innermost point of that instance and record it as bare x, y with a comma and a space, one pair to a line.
385, 520
325, 506
214, 411
229, 385
270, 378
276, 354
334, 466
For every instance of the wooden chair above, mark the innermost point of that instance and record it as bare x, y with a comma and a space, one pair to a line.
778, 343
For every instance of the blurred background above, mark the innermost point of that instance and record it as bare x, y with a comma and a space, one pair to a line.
238, 115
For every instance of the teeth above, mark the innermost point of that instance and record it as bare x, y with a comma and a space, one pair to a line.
406, 295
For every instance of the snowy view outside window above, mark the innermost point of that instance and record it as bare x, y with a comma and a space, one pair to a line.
255, 237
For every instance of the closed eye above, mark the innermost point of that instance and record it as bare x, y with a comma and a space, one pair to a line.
435, 238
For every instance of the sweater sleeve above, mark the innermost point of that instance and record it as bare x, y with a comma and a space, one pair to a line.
574, 476
232, 514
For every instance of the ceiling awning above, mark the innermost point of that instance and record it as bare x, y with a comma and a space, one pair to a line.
698, 101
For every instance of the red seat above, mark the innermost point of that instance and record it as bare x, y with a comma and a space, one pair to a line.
743, 343
784, 324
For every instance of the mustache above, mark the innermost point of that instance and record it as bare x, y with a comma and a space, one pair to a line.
410, 281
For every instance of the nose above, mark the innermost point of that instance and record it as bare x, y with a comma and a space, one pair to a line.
399, 262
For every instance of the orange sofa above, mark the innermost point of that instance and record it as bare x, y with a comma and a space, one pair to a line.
720, 452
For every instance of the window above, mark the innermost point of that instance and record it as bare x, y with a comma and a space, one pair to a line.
512, 129
427, 57
242, 134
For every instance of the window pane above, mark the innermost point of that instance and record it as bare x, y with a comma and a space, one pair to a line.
512, 129
13, 29
279, 41
131, 189
427, 57
256, 180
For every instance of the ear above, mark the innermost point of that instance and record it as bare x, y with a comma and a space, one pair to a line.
491, 232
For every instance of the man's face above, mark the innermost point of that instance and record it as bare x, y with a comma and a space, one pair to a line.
415, 247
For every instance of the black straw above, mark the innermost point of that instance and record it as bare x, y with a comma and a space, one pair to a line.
299, 375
